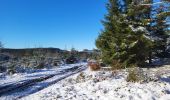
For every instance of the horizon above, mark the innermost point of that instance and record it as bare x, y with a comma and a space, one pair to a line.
58, 24
50, 48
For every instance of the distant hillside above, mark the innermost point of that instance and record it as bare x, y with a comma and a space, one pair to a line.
50, 52
30, 51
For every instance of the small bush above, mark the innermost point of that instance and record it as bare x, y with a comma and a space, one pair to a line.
2, 69
55, 64
94, 66
40, 65
103, 64
138, 75
80, 77
11, 69
116, 65
133, 76
71, 60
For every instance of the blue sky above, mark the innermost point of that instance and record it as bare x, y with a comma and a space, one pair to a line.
51, 23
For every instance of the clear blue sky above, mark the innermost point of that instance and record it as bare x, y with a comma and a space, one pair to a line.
51, 23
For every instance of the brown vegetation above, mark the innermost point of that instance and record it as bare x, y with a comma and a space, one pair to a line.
94, 66
116, 65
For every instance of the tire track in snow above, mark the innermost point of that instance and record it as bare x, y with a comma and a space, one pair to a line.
39, 84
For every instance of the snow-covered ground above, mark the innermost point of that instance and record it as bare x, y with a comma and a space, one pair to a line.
19, 77
104, 85
11, 82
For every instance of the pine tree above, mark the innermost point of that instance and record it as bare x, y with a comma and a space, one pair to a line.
123, 39
157, 26
140, 12
109, 34
160, 29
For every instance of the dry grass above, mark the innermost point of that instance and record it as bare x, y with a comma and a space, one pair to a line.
94, 66
133, 76
116, 65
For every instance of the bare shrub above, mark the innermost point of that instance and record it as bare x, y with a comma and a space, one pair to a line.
94, 66
116, 65
80, 77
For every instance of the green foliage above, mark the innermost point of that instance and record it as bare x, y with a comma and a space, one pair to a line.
121, 39
138, 75
160, 29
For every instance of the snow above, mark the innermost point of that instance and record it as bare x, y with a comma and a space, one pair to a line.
6, 79
156, 3
19, 78
24, 76
139, 28
105, 85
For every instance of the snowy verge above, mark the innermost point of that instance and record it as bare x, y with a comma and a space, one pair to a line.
104, 85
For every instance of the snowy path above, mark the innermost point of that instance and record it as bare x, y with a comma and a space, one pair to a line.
21, 89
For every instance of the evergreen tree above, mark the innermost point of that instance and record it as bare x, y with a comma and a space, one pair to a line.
161, 29
140, 12
156, 23
123, 39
